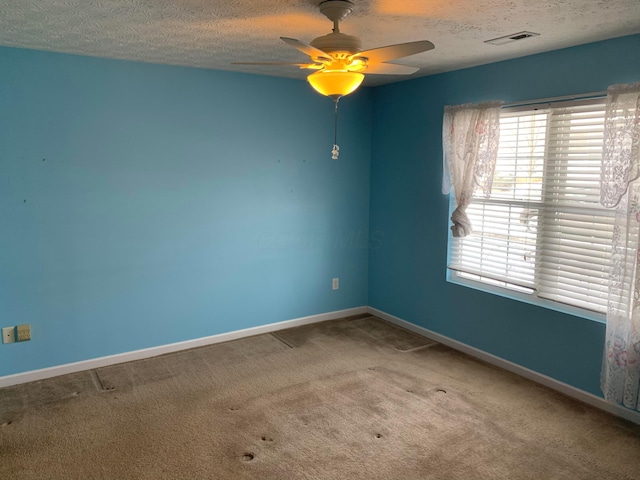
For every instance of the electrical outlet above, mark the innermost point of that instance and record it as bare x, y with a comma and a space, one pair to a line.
8, 335
23, 332
335, 284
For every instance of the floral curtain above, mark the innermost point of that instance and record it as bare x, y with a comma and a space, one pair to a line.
470, 135
620, 188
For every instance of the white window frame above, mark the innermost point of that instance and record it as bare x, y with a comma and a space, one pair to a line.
457, 278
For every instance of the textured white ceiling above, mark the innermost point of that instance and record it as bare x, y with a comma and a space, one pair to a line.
213, 33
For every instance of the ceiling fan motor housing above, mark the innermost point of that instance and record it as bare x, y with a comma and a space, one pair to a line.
337, 42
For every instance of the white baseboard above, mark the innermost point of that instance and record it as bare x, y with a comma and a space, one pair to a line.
43, 373
552, 383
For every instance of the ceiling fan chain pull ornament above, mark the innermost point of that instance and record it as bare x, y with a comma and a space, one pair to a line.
336, 149
335, 152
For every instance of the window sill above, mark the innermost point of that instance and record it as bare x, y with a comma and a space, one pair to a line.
526, 298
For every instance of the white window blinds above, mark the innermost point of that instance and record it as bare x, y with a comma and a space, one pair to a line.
542, 230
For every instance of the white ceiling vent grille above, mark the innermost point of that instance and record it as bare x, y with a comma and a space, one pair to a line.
514, 37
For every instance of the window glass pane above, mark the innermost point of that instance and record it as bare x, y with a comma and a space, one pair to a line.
503, 245
574, 155
520, 161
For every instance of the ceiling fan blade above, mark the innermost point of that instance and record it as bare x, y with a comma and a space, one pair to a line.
313, 52
312, 66
391, 52
389, 69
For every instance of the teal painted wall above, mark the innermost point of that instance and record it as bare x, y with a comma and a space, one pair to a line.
144, 204
407, 271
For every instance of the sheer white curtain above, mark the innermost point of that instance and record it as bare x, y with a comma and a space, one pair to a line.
470, 135
620, 188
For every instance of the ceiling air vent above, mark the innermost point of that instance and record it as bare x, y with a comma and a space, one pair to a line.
511, 38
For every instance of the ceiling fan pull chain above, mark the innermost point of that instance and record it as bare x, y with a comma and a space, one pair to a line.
336, 149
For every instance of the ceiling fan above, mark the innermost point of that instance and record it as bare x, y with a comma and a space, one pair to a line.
338, 61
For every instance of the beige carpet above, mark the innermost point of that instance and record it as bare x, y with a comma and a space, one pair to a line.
355, 398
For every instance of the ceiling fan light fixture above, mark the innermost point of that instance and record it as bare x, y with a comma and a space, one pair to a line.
335, 83
339, 60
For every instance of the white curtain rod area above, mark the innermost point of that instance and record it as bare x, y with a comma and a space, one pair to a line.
580, 96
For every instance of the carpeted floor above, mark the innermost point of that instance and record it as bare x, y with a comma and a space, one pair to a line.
355, 398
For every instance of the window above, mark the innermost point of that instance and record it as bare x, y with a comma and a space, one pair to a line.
542, 231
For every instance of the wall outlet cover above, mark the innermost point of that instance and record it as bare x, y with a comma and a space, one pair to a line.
8, 335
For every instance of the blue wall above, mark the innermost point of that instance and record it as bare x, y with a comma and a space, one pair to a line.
407, 272
143, 204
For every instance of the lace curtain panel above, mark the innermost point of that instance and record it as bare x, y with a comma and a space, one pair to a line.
470, 135
620, 188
